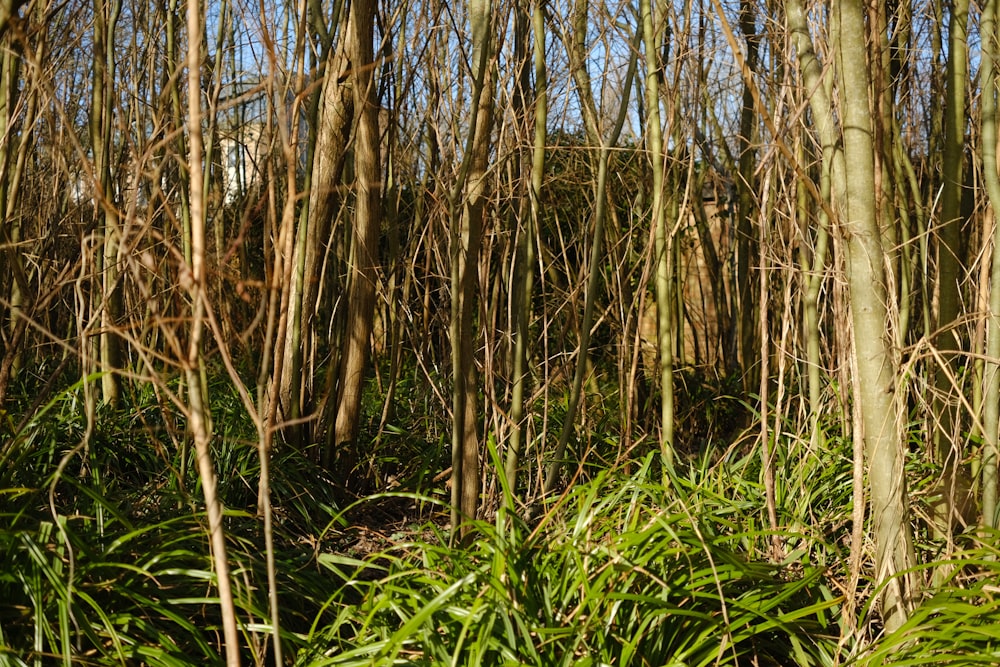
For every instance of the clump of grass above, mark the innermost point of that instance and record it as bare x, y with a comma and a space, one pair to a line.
957, 623
113, 567
621, 573
139, 594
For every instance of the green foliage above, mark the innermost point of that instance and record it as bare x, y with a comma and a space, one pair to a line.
622, 572
109, 563
958, 623
138, 594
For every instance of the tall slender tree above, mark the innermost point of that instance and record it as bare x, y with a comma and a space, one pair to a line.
467, 205
534, 42
857, 225
102, 128
193, 362
367, 223
14, 280
652, 36
334, 118
991, 178
746, 253
577, 51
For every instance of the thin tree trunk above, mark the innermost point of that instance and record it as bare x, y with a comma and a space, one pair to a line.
652, 36
582, 81
947, 434
526, 245
198, 415
334, 116
467, 221
854, 191
814, 271
106, 15
16, 280
367, 224
877, 365
746, 252
991, 371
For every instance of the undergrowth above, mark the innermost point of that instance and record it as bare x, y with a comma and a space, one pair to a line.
108, 562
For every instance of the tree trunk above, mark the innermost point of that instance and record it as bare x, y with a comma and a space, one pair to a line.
652, 35
466, 240
746, 250
876, 361
947, 434
991, 178
581, 79
334, 116
106, 15
525, 257
13, 281
367, 224
198, 409
854, 194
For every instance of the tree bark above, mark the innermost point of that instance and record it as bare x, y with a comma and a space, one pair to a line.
652, 35
335, 117
198, 409
534, 40
467, 220
110, 308
991, 179
876, 360
854, 195
746, 250
947, 434
367, 224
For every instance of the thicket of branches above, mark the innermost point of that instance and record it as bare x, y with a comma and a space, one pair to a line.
275, 258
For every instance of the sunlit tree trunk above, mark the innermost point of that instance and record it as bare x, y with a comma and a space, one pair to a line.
366, 227
902, 88
198, 410
468, 211
173, 85
876, 361
534, 39
991, 178
106, 13
582, 82
172, 17
309, 227
652, 36
813, 264
947, 434
334, 117
214, 192
854, 195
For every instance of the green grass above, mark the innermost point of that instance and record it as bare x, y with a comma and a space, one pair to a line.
622, 569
